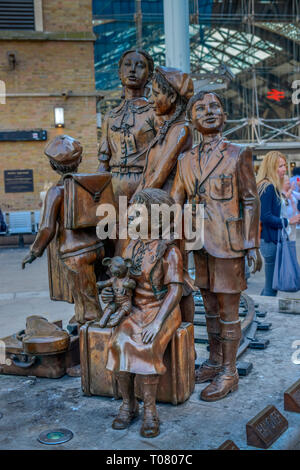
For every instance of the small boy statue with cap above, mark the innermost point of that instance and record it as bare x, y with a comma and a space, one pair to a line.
78, 250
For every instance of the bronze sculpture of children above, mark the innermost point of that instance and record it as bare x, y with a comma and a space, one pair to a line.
219, 175
78, 250
127, 129
138, 343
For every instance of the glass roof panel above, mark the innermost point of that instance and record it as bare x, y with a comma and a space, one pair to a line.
288, 30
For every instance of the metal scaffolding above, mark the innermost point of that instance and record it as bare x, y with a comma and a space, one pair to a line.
248, 49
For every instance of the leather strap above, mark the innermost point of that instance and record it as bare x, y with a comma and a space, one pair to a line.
82, 251
126, 169
86, 354
230, 322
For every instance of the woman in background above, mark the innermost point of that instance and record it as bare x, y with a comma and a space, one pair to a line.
270, 180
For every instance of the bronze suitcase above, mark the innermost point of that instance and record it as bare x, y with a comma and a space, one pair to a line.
83, 193
95, 378
17, 360
175, 386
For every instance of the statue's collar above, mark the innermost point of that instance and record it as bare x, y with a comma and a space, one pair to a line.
136, 105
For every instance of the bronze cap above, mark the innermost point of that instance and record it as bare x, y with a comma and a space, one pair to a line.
180, 81
63, 149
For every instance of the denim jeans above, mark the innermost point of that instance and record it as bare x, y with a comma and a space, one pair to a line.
268, 250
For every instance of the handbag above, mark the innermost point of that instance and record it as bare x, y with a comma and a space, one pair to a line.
286, 276
82, 195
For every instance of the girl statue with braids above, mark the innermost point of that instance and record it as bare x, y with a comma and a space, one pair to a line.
171, 90
128, 129
138, 342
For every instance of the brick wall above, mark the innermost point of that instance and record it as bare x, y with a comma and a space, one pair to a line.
67, 15
30, 113
48, 67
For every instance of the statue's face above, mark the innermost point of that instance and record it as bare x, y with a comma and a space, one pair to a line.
208, 115
162, 103
134, 70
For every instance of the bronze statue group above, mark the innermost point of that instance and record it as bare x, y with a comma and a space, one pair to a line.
147, 149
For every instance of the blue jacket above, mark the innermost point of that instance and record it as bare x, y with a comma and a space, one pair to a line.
270, 215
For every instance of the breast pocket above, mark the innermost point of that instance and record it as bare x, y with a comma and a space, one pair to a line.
220, 187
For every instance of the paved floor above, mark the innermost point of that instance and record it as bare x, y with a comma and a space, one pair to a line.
25, 292
32, 406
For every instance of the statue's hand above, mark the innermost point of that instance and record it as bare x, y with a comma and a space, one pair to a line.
254, 258
107, 295
103, 320
115, 319
28, 259
150, 331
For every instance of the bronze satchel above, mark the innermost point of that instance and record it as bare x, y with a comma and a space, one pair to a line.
82, 195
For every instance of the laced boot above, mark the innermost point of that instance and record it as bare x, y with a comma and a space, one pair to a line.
150, 426
129, 409
227, 379
210, 368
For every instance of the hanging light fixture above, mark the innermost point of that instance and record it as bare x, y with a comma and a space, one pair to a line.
59, 117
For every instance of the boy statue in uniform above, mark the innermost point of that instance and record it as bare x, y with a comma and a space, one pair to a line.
219, 175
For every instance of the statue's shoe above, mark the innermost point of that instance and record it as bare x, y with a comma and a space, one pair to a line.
150, 426
221, 385
74, 371
125, 416
206, 372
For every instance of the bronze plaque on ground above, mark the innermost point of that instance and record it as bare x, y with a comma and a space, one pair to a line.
292, 398
265, 428
228, 445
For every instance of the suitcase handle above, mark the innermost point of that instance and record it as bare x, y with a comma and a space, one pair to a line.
24, 364
20, 335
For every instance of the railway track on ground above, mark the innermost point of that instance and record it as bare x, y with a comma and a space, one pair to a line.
250, 320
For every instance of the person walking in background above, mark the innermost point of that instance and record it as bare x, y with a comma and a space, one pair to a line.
295, 178
289, 207
270, 180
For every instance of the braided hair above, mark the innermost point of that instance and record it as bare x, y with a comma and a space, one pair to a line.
180, 103
156, 197
151, 196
